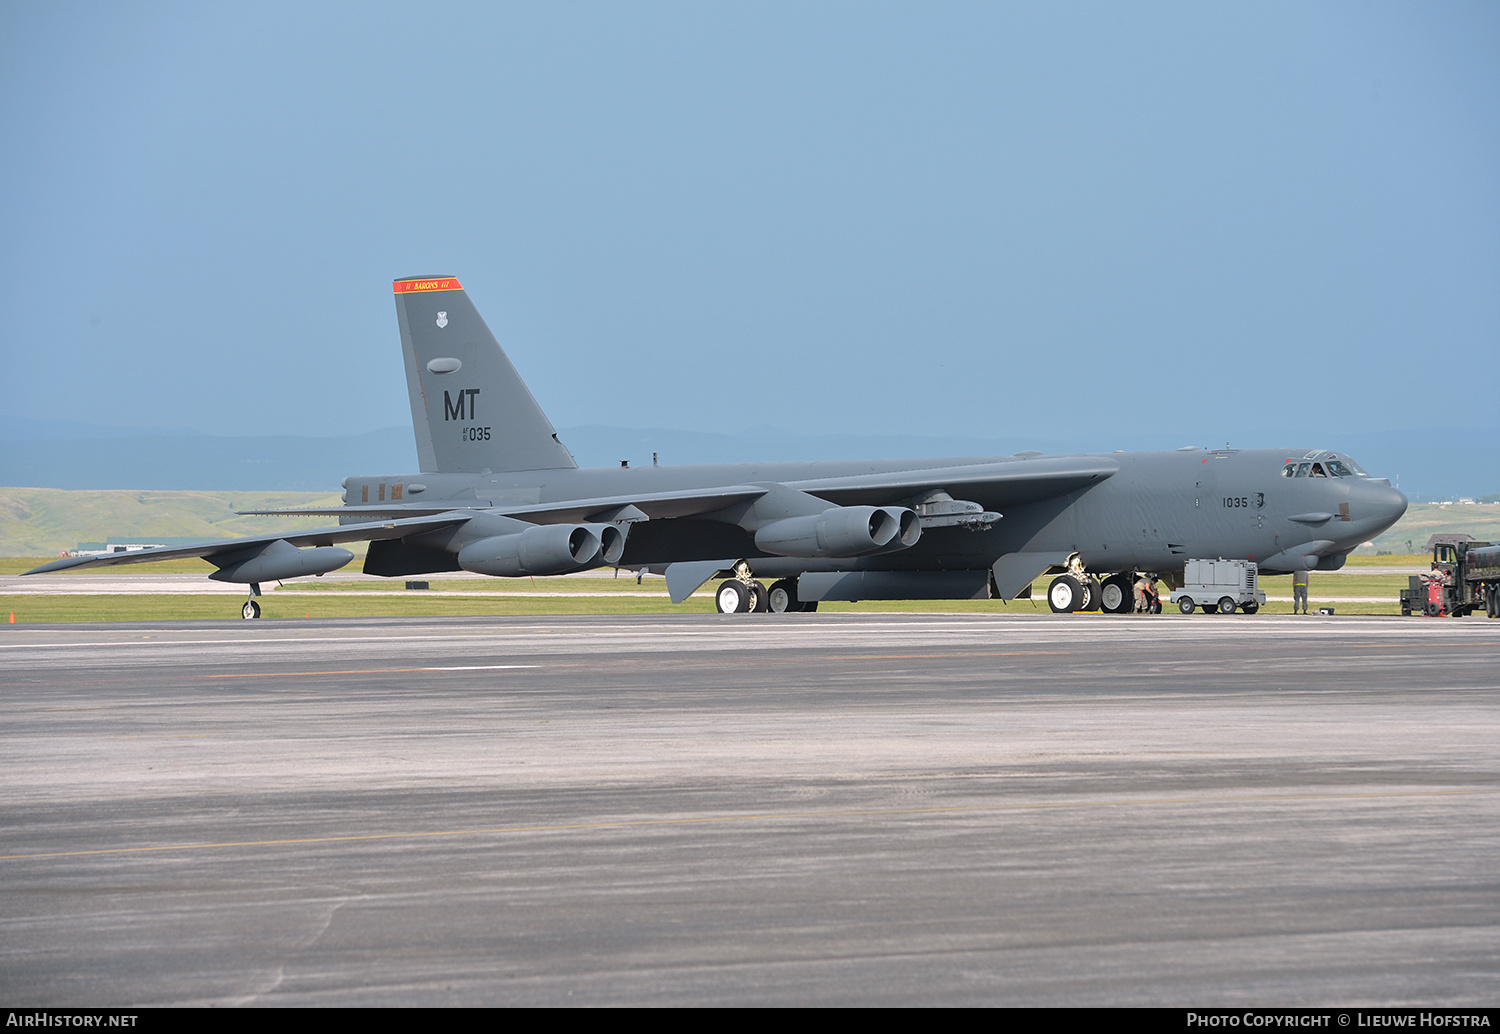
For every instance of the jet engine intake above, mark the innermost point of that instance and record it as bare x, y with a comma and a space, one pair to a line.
544, 549
841, 531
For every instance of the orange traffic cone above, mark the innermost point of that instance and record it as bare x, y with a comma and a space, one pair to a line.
12, 617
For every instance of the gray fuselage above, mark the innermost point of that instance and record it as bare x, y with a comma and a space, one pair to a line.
1156, 511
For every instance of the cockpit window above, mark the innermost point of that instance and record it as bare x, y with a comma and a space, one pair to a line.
1328, 465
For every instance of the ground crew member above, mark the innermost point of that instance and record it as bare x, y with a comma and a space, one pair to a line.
1299, 590
1142, 587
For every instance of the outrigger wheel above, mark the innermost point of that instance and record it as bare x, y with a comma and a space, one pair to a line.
251, 610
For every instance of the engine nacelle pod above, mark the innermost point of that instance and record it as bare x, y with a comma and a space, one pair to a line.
546, 549
278, 561
611, 541
841, 531
908, 526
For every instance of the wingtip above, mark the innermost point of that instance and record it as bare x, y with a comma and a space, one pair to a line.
58, 565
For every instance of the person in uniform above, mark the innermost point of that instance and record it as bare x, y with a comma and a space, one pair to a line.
1142, 586
1299, 589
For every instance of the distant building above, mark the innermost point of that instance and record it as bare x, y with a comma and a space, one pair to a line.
1449, 540
114, 545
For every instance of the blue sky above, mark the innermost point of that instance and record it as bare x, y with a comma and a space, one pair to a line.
867, 218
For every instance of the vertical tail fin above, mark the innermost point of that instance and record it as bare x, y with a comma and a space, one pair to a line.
470, 409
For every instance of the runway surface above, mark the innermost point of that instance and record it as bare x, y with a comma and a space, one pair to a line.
793, 809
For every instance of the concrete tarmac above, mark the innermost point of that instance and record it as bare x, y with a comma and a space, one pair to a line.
818, 809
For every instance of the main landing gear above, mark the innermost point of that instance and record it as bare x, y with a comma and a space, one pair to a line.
1118, 594
737, 597
1069, 593
1076, 590
743, 594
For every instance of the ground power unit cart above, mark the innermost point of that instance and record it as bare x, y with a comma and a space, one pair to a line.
1218, 587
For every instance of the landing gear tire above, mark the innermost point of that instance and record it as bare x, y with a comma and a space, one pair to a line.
1185, 604
250, 611
1116, 595
1064, 594
758, 598
1226, 605
732, 597
1249, 608
1091, 592
782, 599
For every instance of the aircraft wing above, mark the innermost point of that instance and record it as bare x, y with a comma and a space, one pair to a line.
1007, 482
1010, 481
317, 537
652, 505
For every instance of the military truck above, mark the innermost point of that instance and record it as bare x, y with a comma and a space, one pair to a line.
1465, 577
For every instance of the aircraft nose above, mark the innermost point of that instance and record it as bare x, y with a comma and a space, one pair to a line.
1380, 505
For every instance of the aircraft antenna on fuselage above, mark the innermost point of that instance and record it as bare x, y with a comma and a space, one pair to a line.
470, 409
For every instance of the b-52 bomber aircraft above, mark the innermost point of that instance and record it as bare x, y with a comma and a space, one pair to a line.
499, 494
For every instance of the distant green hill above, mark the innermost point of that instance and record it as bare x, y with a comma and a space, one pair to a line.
1423, 520
46, 521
